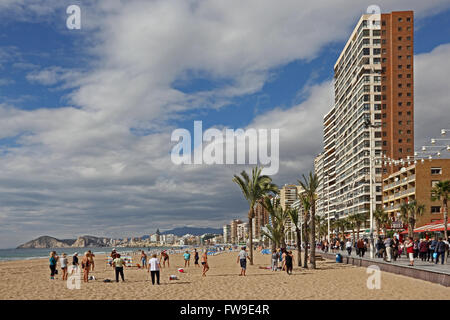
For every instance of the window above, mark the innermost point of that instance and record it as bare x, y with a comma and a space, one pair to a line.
408, 66
400, 66
436, 170
399, 28
400, 104
399, 38
400, 140
400, 113
399, 48
376, 33
408, 19
408, 38
400, 19
383, 22
408, 75
400, 150
376, 41
435, 209
399, 57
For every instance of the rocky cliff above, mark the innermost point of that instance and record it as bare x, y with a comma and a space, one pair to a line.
47, 242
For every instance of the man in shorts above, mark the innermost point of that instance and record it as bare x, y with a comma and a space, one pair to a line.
242, 259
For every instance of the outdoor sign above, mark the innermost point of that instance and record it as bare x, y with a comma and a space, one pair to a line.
397, 225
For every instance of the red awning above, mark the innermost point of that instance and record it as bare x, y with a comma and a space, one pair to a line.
430, 227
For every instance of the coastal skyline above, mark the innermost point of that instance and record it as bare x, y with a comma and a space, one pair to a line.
85, 121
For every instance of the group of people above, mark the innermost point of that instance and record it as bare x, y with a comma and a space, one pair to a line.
87, 264
284, 258
152, 265
392, 248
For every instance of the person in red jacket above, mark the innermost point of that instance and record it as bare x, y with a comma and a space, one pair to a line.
409, 245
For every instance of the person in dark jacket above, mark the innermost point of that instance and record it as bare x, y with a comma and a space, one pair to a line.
433, 245
440, 250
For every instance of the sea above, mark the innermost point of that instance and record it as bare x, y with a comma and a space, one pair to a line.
26, 254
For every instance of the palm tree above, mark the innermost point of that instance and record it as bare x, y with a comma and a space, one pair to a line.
294, 216
352, 224
441, 191
254, 189
381, 218
358, 219
310, 186
409, 213
319, 223
274, 234
306, 207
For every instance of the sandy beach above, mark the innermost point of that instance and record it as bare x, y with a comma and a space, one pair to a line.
29, 279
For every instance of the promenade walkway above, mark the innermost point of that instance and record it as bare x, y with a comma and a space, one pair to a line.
425, 270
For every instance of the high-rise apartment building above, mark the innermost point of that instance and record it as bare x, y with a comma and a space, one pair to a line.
373, 81
227, 233
234, 230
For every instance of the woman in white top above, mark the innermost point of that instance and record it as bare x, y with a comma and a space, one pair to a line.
153, 268
63, 263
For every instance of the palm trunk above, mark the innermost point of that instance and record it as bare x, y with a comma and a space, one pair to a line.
444, 204
305, 241
410, 227
299, 247
312, 235
250, 236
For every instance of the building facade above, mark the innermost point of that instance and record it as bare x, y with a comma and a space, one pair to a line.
373, 82
227, 233
415, 182
234, 230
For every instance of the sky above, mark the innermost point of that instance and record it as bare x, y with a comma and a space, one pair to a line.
86, 116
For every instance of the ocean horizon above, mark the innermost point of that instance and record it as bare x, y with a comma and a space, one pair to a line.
40, 253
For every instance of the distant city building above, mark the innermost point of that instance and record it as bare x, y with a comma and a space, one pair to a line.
234, 230
242, 232
227, 233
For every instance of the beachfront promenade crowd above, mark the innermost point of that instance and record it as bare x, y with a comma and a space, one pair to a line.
153, 262
393, 248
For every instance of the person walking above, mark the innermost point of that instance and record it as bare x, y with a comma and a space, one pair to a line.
440, 250
205, 263
91, 260
395, 248
423, 249
119, 264
53, 260
433, 245
360, 246
409, 245
388, 248
86, 266
187, 258
275, 260
196, 258
348, 246
154, 269
143, 260
288, 261
242, 259
64, 265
